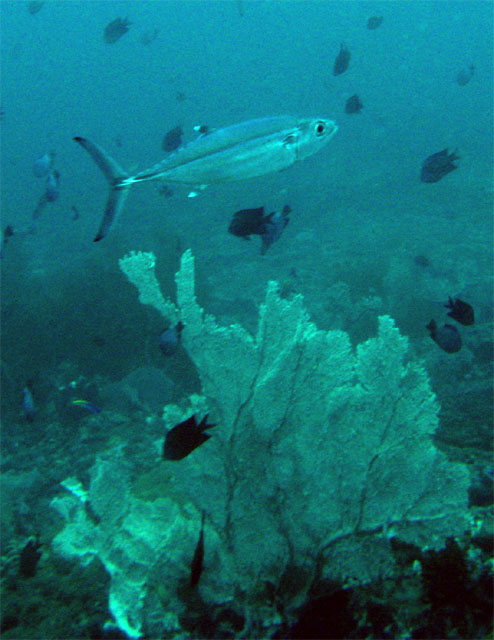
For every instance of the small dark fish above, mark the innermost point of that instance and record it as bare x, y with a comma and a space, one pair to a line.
421, 261
149, 36
170, 339
198, 559
34, 6
29, 558
8, 232
353, 104
75, 213
240, 7
447, 337
465, 75
99, 341
275, 224
342, 60
173, 139
180, 96
184, 437
86, 406
374, 22
115, 29
165, 191
248, 222
438, 165
28, 405
118, 141
52, 183
43, 165
460, 311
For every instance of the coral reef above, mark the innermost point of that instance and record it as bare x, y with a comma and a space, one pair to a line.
321, 458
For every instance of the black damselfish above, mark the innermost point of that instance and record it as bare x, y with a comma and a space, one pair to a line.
460, 311
438, 165
172, 139
447, 337
29, 558
248, 222
374, 22
353, 104
342, 60
115, 29
184, 437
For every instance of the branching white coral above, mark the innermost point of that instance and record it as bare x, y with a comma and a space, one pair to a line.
139, 266
322, 454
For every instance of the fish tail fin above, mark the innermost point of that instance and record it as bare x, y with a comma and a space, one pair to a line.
203, 425
118, 180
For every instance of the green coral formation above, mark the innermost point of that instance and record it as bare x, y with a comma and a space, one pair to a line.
322, 455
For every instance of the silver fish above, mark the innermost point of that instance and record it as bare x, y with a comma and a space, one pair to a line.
246, 150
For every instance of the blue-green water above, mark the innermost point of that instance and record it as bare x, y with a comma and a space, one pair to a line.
366, 237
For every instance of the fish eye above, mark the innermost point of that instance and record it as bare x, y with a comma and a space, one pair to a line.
320, 128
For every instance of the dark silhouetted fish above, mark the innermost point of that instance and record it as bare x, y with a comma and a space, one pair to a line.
180, 96
52, 183
149, 36
421, 261
274, 226
248, 222
353, 104
115, 29
438, 165
184, 437
29, 558
8, 232
34, 6
460, 311
342, 60
170, 339
465, 75
374, 22
245, 150
43, 165
165, 191
198, 559
99, 341
75, 213
447, 337
172, 139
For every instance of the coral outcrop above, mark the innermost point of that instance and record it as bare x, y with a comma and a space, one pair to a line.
322, 455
